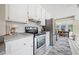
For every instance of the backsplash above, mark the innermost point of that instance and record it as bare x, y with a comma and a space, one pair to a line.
20, 27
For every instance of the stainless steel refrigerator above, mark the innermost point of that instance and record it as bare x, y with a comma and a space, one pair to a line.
50, 26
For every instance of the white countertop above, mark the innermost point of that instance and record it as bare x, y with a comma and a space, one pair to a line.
16, 36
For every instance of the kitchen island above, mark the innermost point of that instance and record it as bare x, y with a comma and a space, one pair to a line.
18, 44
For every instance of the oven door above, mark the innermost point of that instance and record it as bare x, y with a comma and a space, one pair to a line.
39, 42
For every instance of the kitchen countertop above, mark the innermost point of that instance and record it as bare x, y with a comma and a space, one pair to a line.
16, 36
20, 35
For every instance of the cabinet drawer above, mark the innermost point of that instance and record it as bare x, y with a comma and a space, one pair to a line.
20, 46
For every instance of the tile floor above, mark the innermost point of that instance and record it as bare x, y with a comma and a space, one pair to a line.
61, 47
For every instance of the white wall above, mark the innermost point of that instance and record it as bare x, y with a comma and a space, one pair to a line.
2, 20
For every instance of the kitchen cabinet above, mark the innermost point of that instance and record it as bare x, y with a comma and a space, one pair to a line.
6, 12
35, 11
16, 12
39, 12
23, 12
43, 17
48, 16
32, 11
22, 46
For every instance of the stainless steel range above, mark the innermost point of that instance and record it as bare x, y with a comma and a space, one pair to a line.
39, 42
39, 39
30, 29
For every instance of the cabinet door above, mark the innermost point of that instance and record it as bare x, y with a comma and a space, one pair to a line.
48, 16
32, 11
6, 12
18, 12
39, 12
21, 46
43, 17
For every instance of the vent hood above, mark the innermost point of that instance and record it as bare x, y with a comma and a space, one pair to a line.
35, 21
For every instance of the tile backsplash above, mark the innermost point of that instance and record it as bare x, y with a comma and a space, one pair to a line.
20, 27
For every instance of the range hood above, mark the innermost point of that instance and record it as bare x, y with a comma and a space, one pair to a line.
35, 21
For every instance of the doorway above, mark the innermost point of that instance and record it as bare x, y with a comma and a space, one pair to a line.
64, 26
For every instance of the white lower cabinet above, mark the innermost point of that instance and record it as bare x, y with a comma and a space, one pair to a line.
20, 47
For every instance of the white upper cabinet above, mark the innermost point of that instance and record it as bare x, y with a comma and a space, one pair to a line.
43, 16
17, 12
43, 13
32, 11
6, 12
23, 12
48, 16
39, 12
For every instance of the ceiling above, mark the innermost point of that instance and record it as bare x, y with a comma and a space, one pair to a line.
57, 5
58, 10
